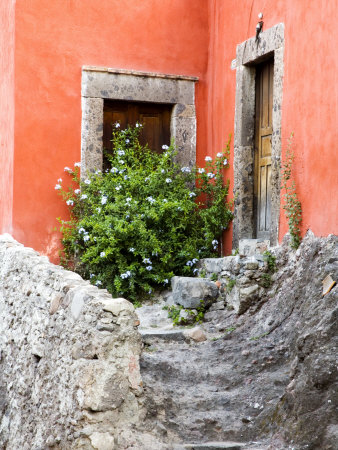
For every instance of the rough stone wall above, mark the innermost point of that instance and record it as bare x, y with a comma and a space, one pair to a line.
69, 366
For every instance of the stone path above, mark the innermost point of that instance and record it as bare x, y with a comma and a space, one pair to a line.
228, 389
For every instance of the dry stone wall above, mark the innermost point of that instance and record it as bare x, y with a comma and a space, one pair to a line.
69, 366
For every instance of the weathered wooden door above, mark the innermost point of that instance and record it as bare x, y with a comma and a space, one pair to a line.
263, 136
154, 117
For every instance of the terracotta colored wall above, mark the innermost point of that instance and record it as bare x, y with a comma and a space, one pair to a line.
6, 112
310, 93
193, 37
53, 41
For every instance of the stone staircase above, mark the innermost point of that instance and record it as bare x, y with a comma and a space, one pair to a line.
196, 396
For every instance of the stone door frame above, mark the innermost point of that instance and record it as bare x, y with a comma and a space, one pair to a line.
100, 83
248, 55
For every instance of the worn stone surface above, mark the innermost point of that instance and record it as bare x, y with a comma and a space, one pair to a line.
190, 292
69, 359
267, 377
249, 53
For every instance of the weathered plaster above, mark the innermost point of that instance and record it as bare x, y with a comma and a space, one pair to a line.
249, 54
117, 84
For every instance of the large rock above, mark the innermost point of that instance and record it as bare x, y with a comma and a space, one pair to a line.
192, 292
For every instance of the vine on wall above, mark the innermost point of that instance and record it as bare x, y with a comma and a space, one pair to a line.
292, 205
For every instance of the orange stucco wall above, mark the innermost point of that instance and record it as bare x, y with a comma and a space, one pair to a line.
53, 40
310, 93
6, 112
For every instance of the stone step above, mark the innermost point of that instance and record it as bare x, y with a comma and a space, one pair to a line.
215, 446
149, 336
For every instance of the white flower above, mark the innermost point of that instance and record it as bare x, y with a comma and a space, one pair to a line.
149, 268
165, 200
219, 155
84, 196
121, 152
67, 169
162, 171
192, 194
122, 170
186, 170
189, 263
104, 199
151, 200
86, 237
118, 187
146, 261
127, 141
211, 175
201, 170
87, 181
91, 275
138, 125
102, 254
121, 161
195, 271
208, 158
179, 209
225, 162
132, 249
98, 283
168, 180
165, 147
70, 202
77, 164
194, 261
166, 281
214, 242
126, 177
57, 187
114, 170
77, 191
126, 274
147, 179
82, 230
128, 200
97, 172
60, 180
98, 210
117, 125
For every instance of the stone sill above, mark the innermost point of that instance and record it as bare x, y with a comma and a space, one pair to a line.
139, 74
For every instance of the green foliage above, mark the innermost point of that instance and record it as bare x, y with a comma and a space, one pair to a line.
174, 313
271, 261
292, 206
231, 283
256, 338
266, 280
202, 273
214, 277
135, 226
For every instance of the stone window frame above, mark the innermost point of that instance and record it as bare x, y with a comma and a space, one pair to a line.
100, 83
248, 55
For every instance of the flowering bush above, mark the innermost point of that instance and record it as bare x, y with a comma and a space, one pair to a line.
135, 226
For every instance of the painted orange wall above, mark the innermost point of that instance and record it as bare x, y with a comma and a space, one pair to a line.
53, 41
6, 112
310, 93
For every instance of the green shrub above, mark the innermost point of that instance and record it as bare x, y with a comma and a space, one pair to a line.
135, 226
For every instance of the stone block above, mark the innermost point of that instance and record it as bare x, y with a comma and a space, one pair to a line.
190, 292
251, 247
196, 334
117, 305
242, 298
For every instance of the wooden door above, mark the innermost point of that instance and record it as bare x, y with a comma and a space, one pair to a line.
263, 135
154, 117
